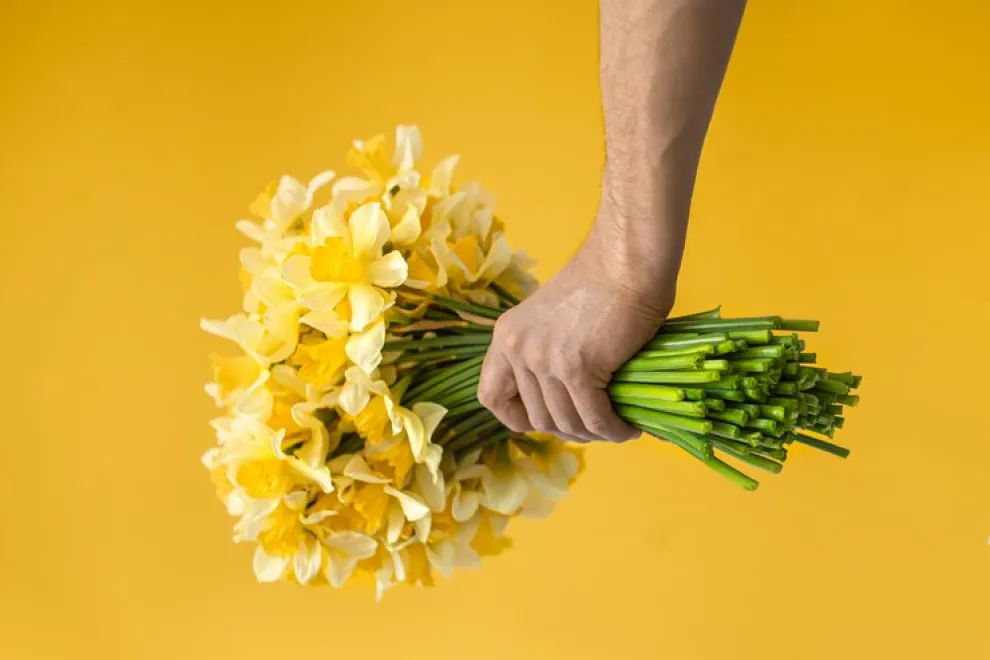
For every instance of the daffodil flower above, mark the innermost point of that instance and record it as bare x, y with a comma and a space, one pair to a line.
343, 551
257, 464
279, 210
349, 257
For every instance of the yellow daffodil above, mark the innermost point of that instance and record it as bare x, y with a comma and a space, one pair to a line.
279, 209
343, 552
257, 464
349, 257
369, 156
234, 378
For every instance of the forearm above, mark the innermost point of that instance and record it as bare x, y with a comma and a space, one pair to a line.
662, 64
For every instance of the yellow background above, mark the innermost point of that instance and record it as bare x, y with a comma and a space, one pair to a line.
845, 178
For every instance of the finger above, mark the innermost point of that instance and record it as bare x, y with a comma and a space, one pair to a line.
498, 392
532, 397
599, 418
565, 415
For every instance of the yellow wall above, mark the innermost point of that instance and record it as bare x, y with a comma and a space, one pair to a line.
846, 178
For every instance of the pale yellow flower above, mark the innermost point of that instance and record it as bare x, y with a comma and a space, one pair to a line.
349, 256
257, 464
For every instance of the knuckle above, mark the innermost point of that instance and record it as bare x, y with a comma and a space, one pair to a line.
598, 426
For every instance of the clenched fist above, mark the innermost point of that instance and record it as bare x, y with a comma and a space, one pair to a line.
553, 355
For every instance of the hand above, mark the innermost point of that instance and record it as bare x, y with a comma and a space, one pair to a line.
553, 355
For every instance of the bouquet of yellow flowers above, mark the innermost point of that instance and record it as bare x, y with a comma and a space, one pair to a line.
352, 442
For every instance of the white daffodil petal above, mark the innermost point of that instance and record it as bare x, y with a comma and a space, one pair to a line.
306, 564
407, 230
358, 470
465, 504
365, 348
339, 569
288, 202
352, 544
396, 520
296, 271
496, 261
318, 182
441, 557
366, 304
253, 261
413, 507
369, 231
430, 485
423, 527
318, 475
268, 568
408, 147
388, 272
442, 176
431, 414
327, 322
504, 492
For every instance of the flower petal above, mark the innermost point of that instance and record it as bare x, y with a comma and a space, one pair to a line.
369, 231
352, 544
365, 348
268, 568
366, 304
289, 201
413, 507
442, 176
388, 272
338, 569
496, 261
297, 273
408, 147
318, 182
306, 564
327, 322
359, 470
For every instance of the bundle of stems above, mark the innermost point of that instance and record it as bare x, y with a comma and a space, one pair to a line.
738, 388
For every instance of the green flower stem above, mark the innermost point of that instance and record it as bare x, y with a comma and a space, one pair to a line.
724, 430
714, 313
686, 408
737, 417
851, 400
432, 342
749, 458
769, 351
799, 325
504, 295
663, 342
666, 377
732, 474
779, 455
752, 438
454, 397
643, 415
440, 376
715, 365
704, 349
717, 405
463, 408
451, 353
785, 388
763, 425
856, 381
832, 387
785, 340
466, 425
726, 347
778, 413
694, 393
808, 358
723, 325
484, 442
692, 444
751, 409
479, 310
752, 336
751, 366
455, 380
684, 362
467, 438
835, 450
790, 370
725, 395
655, 392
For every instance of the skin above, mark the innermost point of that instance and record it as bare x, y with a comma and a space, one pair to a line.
662, 64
